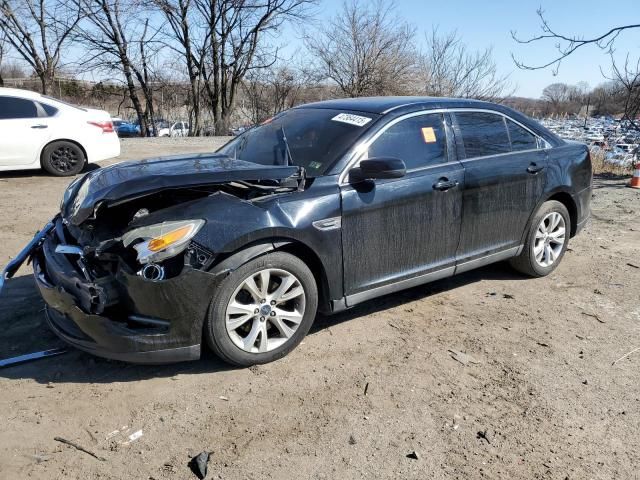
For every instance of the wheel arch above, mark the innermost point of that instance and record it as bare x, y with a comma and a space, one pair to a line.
233, 260
565, 198
562, 195
75, 142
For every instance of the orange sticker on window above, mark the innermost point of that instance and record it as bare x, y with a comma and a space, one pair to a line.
429, 135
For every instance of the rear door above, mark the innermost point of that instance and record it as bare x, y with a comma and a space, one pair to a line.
23, 131
504, 180
399, 229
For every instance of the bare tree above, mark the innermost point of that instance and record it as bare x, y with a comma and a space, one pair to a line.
626, 79
556, 94
273, 90
3, 51
119, 40
605, 99
286, 84
190, 43
38, 30
566, 44
237, 44
258, 95
561, 98
450, 69
221, 42
366, 49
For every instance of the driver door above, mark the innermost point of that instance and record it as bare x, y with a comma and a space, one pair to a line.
402, 232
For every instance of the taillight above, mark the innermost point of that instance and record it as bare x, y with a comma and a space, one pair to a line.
107, 126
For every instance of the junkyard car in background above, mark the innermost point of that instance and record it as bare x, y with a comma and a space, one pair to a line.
126, 129
323, 207
234, 132
176, 129
41, 132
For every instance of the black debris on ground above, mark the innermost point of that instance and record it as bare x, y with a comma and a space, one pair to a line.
198, 464
483, 435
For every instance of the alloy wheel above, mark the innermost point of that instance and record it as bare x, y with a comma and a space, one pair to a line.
265, 310
64, 159
549, 240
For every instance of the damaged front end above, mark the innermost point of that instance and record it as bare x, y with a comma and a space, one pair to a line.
122, 270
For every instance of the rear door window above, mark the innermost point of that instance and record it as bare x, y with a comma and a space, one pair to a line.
521, 138
15, 108
49, 110
483, 134
419, 141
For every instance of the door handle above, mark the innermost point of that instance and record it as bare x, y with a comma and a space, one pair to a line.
40, 126
444, 184
534, 168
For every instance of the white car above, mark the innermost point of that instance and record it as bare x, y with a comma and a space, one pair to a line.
37, 131
178, 129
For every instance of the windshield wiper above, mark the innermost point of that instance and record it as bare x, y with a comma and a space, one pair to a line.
289, 160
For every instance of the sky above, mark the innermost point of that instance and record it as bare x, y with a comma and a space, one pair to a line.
488, 23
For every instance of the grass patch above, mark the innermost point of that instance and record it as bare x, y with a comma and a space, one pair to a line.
601, 166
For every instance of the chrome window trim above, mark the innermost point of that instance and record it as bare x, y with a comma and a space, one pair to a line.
473, 159
356, 153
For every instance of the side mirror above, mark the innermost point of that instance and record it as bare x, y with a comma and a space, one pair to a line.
378, 168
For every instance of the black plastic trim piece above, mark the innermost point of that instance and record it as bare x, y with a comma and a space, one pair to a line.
154, 357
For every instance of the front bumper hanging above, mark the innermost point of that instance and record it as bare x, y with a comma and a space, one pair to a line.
121, 316
13, 266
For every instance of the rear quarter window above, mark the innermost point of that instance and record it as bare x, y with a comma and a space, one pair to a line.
49, 110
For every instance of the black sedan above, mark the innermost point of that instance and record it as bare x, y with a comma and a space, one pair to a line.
322, 207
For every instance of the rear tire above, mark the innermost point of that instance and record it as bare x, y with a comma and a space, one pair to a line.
63, 159
547, 240
250, 323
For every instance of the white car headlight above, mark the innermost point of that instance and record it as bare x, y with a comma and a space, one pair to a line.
163, 240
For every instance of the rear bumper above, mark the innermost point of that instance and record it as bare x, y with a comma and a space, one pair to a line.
583, 207
125, 317
108, 146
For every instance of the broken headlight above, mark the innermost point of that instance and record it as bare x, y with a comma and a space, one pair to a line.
155, 243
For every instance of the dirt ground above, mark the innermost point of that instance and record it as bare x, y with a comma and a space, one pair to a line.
367, 387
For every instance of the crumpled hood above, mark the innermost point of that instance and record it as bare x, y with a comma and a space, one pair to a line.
128, 180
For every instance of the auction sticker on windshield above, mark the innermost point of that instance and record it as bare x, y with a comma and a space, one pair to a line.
351, 119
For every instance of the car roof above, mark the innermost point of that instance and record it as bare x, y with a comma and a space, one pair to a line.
18, 92
382, 105
402, 105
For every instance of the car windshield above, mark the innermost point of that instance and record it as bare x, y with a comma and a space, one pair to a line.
316, 137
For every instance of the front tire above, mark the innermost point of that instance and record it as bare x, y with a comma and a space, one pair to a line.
547, 240
63, 159
262, 310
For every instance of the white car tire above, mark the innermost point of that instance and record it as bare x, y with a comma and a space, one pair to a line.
63, 159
